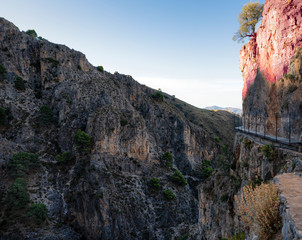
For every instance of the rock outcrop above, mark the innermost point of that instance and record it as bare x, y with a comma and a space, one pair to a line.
277, 38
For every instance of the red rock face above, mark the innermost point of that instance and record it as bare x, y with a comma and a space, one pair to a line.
279, 34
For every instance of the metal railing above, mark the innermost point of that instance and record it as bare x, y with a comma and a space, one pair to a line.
284, 129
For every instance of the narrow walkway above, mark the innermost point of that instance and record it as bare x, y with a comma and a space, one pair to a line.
272, 138
290, 185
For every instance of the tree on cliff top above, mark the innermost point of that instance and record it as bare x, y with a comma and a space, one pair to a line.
249, 17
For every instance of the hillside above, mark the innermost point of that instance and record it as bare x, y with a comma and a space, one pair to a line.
229, 109
90, 151
218, 124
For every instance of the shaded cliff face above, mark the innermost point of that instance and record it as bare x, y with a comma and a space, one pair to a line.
103, 194
278, 36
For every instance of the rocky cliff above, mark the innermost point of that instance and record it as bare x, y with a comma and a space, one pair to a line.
271, 68
250, 166
277, 38
88, 143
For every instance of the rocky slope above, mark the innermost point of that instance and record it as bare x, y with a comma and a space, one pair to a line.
271, 69
101, 189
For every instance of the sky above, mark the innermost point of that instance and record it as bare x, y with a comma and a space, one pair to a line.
183, 47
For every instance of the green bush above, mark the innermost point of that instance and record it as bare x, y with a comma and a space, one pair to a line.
239, 236
2, 71
224, 197
206, 170
217, 139
21, 163
154, 184
257, 182
46, 115
83, 141
158, 96
182, 237
19, 84
178, 178
17, 195
167, 159
32, 32
37, 212
291, 89
64, 157
168, 194
100, 68
245, 164
2, 116
123, 122
269, 152
54, 63
79, 67
248, 143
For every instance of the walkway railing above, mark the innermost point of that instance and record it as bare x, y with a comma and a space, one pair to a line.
292, 144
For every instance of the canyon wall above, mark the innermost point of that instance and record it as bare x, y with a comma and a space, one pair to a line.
105, 192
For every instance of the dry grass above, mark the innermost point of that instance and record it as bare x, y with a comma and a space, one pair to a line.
259, 209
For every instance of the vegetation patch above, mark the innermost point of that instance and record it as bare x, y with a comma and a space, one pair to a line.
2, 116
224, 197
269, 152
83, 141
167, 159
259, 209
79, 67
17, 195
248, 144
238, 236
19, 84
123, 122
22, 163
64, 158
291, 89
32, 33
183, 237
100, 68
205, 169
46, 115
54, 63
37, 212
154, 184
168, 194
250, 15
158, 96
2, 71
178, 178
245, 164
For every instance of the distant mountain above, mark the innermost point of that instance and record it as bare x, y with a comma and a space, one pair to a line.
230, 109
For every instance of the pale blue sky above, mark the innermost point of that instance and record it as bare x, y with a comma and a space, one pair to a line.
184, 47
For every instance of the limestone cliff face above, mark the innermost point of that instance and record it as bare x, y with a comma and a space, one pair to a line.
277, 38
103, 194
271, 65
